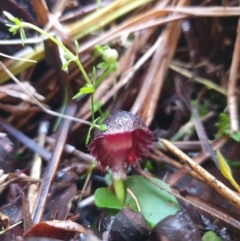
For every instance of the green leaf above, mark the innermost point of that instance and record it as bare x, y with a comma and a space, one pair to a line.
148, 165
65, 66
224, 127
154, 202
211, 236
76, 47
102, 127
114, 66
79, 94
101, 49
94, 74
103, 117
84, 90
223, 124
104, 198
23, 36
236, 136
12, 29
95, 121
98, 48
226, 170
88, 135
87, 90
9, 16
18, 22
233, 164
103, 65
68, 56
97, 105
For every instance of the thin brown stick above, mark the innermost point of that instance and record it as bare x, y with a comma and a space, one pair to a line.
135, 199
157, 70
202, 156
28, 142
62, 134
160, 157
232, 98
38, 103
205, 11
53, 165
41, 9
200, 205
36, 166
202, 135
230, 195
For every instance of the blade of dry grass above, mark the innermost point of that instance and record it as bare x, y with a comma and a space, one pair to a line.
204, 11
40, 105
82, 27
85, 26
199, 159
53, 165
232, 98
145, 104
222, 189
36, 166
208, 83
126, 68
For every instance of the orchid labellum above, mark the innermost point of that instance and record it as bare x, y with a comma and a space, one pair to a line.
124, 142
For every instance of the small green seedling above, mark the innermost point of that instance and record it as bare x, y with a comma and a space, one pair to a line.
108, 65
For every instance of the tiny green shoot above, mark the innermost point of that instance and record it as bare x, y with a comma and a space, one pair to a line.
106, 67
224, 127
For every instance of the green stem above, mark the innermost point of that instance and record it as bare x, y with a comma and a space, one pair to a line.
60, 44
102, 77
37, 29
63, 108
79, 64
119, 189
102, 114
92, 106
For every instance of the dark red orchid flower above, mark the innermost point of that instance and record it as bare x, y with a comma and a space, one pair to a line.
126, 139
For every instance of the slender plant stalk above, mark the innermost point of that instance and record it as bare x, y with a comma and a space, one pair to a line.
77, 30
60, 44
119, 189
92, 106
103, 76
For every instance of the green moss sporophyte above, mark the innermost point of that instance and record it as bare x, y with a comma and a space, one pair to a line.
124, 142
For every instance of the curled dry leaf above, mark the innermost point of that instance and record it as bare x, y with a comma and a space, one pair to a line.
62, 230
4, 221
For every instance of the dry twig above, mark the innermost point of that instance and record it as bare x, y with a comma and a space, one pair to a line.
230, 195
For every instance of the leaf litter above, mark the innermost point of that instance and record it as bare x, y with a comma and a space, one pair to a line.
170, 54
